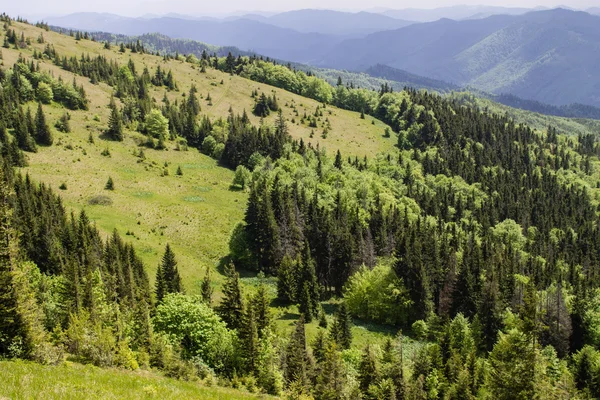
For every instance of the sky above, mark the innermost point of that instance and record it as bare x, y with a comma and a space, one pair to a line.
41, 8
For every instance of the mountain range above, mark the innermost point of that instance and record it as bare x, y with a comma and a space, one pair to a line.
528, 54
531, 56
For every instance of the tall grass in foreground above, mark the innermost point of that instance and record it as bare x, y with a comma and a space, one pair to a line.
27, 380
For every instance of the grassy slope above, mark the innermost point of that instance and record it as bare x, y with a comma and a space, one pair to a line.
195, 212
25, 380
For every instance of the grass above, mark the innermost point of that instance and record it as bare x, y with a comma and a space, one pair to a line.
195, 212
27, 380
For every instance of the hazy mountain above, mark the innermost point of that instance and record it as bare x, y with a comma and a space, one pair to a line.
413, 80
453, 12
246, 34
332, 22
421, 48
548, 56
594, 10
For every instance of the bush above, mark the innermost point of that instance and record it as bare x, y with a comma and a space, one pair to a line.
44, 93
100, 200
378, 295
187, 319
420, 330
208, 145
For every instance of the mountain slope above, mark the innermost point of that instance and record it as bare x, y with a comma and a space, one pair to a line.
203, 191
530, 56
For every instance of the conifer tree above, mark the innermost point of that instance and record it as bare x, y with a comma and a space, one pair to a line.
42, 131
231, 308
296, 356
23, 132
331, 380
341, 329
248, 333
368, 373
20, 320
260, 302
206, 290
115, 122
338, 160
193, 104
286, 290
168, 279
110, 184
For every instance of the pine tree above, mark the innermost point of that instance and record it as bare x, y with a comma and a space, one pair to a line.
308, 288
20, 318
296, 356
260, 302
206, 290
248, 333
331, 379
368, 373
42, 131
286, 288
110, 184
341, 329
168, 279
338, 160
115, 122
231, 308
23, 132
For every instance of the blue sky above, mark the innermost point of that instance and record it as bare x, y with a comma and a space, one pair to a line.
40, 8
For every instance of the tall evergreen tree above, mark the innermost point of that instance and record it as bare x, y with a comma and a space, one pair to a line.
341, 328
168, 279
42, 131
296, 368
206, 290
115, 122
368, 373
231, 308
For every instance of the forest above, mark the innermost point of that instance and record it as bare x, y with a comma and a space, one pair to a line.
477, 239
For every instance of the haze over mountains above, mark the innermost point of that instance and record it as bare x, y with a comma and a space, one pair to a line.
515, 50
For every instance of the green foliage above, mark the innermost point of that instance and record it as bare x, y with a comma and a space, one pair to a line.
377, 295
157, 125
44, 93
242, 176
193, 324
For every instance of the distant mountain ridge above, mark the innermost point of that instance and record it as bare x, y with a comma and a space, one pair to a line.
243, 33
332, 22
458, 12
548, 56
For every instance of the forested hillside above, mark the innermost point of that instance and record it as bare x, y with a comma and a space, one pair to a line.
270, 223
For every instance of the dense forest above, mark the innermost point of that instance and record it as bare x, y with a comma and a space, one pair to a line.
477, 237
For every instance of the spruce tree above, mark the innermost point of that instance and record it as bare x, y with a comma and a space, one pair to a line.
167, 276
341, 329
206, 290
115, 122
260, 302
296, 356
42, 131
21, 330
231, 308
23, 133
368, 373
248, 333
